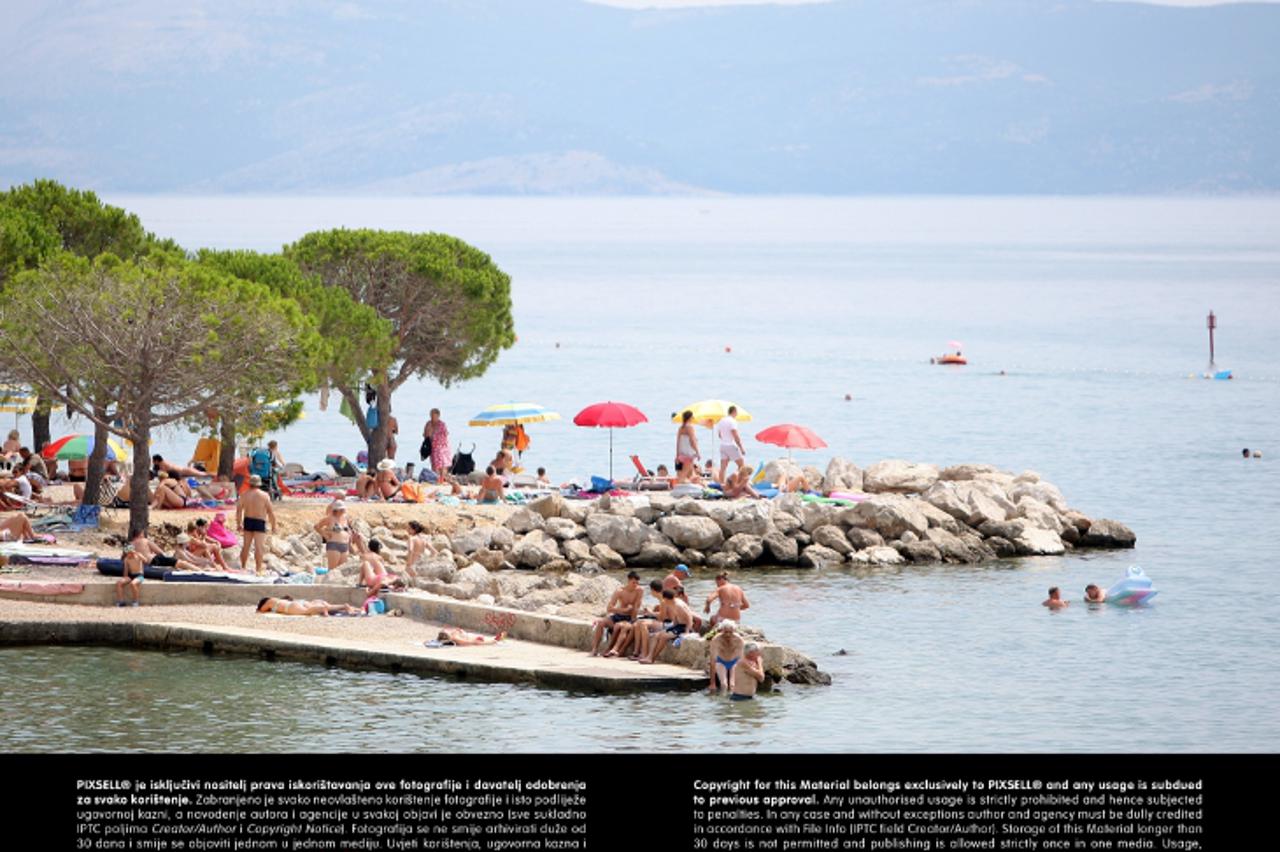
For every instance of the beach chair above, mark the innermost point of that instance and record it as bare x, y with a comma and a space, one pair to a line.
206, 453
644, 481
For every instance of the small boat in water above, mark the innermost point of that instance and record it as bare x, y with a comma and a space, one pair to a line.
951, 358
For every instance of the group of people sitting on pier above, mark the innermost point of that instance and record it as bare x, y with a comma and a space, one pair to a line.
630, 629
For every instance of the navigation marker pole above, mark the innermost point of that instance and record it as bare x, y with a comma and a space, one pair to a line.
1212, 323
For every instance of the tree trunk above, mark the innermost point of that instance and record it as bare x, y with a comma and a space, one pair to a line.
97, 461
227, 450
378, 437
40, 423
140, 482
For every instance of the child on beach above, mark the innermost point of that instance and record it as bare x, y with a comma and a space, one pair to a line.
749, 676
131, 581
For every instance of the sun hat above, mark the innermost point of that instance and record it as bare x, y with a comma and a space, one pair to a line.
386, 464
337, 506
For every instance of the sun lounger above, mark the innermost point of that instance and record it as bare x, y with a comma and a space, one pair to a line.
645, 482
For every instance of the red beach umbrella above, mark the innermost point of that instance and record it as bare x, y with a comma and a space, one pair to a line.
791, 436
610, 415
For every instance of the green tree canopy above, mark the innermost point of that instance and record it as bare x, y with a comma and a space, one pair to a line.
353, 341
25, 240
134, 345
83, 225
43, 217
448, 304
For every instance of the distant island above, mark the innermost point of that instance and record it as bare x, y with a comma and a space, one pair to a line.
567, 97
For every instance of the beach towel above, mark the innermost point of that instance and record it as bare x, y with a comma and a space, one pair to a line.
411, 492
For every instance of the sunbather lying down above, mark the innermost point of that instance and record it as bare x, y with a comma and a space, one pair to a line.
286, 605
458, 636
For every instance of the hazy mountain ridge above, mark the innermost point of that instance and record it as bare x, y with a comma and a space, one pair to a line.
558, 96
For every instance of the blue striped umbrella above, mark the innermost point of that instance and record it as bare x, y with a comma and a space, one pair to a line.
511, 414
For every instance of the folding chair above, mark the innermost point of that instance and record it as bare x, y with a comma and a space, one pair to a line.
644, 481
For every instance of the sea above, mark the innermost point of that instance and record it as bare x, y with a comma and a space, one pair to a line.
1084, 324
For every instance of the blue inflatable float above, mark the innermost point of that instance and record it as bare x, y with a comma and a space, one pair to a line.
1134, 590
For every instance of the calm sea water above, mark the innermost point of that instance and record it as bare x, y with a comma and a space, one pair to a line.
1082, 320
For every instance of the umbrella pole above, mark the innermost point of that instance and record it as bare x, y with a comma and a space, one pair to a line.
611, 454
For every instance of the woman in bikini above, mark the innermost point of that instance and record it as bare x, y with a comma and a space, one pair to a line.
337, 533
169, 493
686, 449
286, 605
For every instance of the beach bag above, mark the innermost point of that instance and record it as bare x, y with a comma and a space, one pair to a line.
463, 463
424, 452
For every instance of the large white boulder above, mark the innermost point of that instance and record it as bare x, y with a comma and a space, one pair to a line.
748, 548
898, 476
564, 529
779, 471
1034, 541
1045, 492
523, 520
608, 558
891, 515
624, 535
692, 531
842, 475
535, 550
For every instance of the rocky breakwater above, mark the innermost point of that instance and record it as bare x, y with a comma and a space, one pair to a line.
907, 512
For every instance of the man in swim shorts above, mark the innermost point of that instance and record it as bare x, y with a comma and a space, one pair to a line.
731, 449
749, 674
623, 607
677, 620
726, 652
253, 510
152, 555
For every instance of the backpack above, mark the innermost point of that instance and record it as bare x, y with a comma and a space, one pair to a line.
260, 463
463, 463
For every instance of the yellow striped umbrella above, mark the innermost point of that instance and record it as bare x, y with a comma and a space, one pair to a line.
708, 411
513, 413
17, 400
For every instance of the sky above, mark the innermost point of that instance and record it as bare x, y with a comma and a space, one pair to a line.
676, 4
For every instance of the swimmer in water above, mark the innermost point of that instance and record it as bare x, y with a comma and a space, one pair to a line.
1055, 600
1093, 594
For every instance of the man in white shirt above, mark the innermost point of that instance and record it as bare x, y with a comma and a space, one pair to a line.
731, 448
